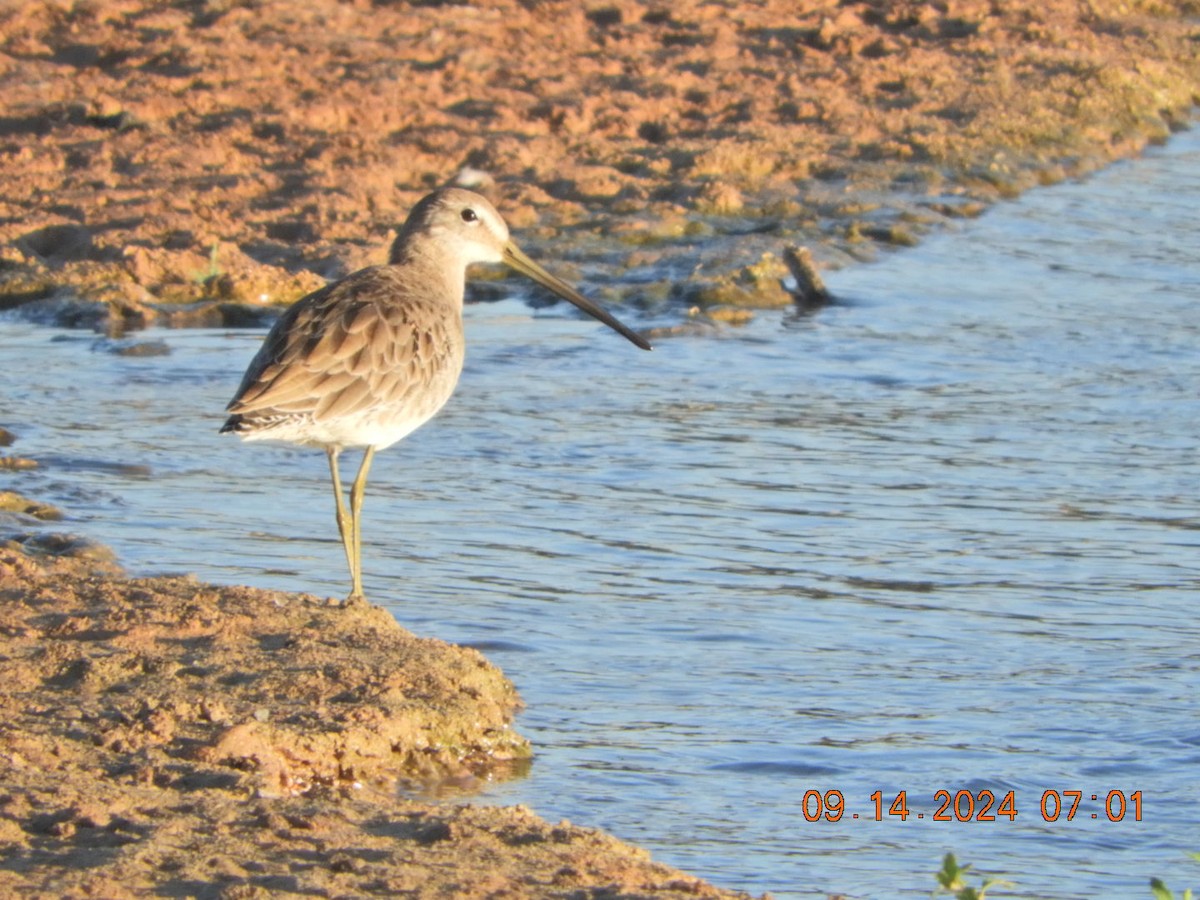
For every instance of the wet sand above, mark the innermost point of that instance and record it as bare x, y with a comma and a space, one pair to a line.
198, 163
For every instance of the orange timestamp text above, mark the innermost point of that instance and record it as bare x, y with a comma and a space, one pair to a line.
976, 806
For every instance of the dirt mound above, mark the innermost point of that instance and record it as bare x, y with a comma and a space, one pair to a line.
166, 737
301, 691
241, 152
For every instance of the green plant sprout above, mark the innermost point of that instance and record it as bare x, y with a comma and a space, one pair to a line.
1162, 892
204, 276
951, 879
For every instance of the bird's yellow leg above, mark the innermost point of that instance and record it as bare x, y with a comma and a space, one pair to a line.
356, 500
345, 523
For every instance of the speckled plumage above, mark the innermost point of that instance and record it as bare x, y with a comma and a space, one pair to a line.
368, 359
350, 367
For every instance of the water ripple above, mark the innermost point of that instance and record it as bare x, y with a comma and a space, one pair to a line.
941, 537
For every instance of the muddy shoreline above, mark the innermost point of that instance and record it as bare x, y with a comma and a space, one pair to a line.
200, 163
191, 162
162, 736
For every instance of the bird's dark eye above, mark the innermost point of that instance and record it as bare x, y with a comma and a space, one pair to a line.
469, 215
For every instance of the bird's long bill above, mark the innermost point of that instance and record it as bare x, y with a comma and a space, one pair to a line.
526, 266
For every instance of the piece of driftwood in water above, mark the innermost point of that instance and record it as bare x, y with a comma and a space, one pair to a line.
810, 291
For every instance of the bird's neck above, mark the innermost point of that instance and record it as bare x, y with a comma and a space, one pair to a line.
402, 251
426, 266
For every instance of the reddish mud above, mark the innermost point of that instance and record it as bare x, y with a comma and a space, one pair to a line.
230, 153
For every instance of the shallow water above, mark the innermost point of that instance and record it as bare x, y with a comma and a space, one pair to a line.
942, 536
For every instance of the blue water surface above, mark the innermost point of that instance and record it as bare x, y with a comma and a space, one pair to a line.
941, 536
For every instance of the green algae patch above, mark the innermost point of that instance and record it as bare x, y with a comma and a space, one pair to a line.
116, 298
756, 286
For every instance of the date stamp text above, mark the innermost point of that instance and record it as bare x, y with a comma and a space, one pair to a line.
976, 806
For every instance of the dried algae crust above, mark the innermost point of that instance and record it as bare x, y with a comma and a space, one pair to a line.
162, 737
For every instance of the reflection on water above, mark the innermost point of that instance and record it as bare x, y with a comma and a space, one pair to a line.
942, 536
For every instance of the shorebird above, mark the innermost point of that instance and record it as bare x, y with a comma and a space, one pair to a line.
366, 360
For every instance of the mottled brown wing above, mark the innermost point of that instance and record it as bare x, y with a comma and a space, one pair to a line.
361, 342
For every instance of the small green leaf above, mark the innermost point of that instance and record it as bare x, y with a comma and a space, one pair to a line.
948, 876
950, 880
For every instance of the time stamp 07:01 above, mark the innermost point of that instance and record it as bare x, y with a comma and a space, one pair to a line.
977, 806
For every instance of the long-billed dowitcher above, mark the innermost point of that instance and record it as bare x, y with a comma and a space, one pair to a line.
365, 360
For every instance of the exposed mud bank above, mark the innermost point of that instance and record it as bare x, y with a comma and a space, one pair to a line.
236, 154
163, 737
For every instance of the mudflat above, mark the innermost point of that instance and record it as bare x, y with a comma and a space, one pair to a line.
240, 153
204, 162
